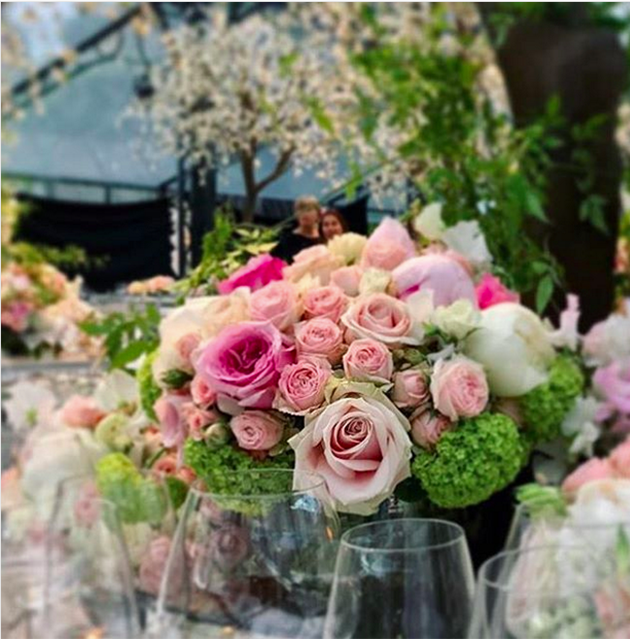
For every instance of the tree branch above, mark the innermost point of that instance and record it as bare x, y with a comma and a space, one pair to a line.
281, 166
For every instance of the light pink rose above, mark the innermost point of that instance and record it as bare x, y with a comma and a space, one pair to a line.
316, 261
448, 280
15, 315
258, 272
491, 291
612, 385
243, 364
389, 246
427, 427
589, 471
619, 459
347, 278
165, 466
324, 301
320, 336
380, 317
368, 360
360, 447
185, 346
81, 412
459, 387
257, 430
202, 394
411, 389
277, 303
197, 420
170, 414
153, 565
301, 386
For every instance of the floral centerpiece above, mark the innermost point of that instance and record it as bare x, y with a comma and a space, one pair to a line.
384, 364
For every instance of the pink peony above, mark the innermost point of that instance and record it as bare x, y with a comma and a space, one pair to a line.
619, 459
411, 389
427, 427
153, 565
15, 315
589, 471
203, 395
170, 414
320, 336
325, 301
360, 447
81, 412
491, 291
380, 317
388, 246
612, 384
257, 430
459, 387
347, 278
316, 261
301, 386
277, 303
243, 364
441, 274
368, 360
197, 419
258, 272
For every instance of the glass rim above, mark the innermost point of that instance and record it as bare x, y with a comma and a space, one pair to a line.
197, 488
460, 536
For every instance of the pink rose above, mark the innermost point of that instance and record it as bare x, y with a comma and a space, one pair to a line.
277, 303
427, 427
491, 291
316, 261
360, 447
15, 315
81, 412
380, 317
185, 347
441, 274
388, 246
619, 459
411, 389
347, 278
202, 394
170, 414
258, 272
320, 336
612, 384
368, 360
592, 470
257, 430
325, 301
197, 419
301, 386
459, 387
243, 365
165, 466
153, 565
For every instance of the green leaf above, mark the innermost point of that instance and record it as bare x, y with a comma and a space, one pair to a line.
544, 293
130, 353
176, 378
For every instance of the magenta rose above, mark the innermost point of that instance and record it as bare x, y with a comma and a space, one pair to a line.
203, 395
368, 360
257, 430
277, 303
459, 387
411, 389
243, 364
388, 246
320, 336
347, 278
258, 272
325, 301
427, 427
381, 317
491, 291
592, 470
170, 414
81, 412
301, 386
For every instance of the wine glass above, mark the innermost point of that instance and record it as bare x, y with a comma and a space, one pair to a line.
401, 578
549, 591
253, 555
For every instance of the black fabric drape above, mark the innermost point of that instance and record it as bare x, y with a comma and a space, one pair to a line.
133, 240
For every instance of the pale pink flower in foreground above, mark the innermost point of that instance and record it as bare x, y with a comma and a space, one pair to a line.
388, 246
368, 360
277, 303
257, 430
411, 389
202, 394
427, 427
592, 470
170, 414
81, 412
325, 301
348, 279
612, 385
301, 386
320, 336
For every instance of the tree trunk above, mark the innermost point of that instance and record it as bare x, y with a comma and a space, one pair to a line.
249, 208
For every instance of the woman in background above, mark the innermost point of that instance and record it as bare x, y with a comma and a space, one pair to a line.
332, 223
305, 234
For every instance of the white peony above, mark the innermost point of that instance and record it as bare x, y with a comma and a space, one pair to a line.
581, 424
458, 320
513, 345
607, 341
29, 405
429, 223
467, 239
374, 280
347, 246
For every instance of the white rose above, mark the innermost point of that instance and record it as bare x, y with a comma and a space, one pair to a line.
429, 222
459, 319
374, 280
347, 246
512, 344
607, 341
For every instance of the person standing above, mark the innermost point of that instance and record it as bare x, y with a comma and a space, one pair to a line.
305, 234
332, 223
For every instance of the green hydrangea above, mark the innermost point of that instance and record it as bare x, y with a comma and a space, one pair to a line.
470, 463
149, 390
544, 408
137, 498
